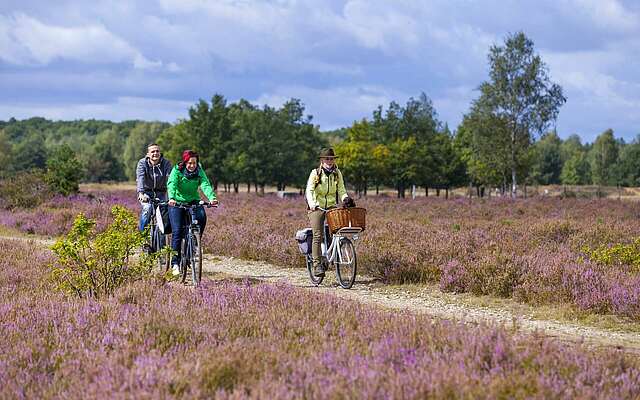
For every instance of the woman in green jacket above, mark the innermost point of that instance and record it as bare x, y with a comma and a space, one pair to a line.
182, 187
325, 188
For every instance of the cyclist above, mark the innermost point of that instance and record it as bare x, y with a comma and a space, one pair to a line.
152, 173
185, 179
324, 187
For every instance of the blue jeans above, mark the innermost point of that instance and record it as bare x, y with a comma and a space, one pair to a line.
145, 213
179, 218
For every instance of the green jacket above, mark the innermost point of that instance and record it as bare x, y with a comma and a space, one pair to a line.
321, 190
184, 190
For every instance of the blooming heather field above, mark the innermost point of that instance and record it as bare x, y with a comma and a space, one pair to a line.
534, 250
237, 339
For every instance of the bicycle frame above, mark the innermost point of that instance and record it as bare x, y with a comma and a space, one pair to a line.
332, 252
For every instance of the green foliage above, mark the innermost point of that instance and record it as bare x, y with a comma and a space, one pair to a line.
64, 171
619, 254
521, 96
143, 134
603, 156
23, 190
547, 160
91, 264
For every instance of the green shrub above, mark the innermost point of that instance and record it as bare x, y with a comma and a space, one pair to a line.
23, 190
95, 265
618, 254
64, 171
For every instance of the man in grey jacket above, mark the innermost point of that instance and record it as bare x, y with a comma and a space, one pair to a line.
152, 173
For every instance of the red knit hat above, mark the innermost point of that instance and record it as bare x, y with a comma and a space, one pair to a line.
188, 154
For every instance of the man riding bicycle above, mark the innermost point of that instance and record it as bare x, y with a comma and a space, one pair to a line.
152, 173
325, 187
183, 184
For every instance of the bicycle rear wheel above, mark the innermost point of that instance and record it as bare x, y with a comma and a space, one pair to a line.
346, 263
196, 259
316, 280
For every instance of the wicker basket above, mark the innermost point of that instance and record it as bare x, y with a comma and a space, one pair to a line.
346, 217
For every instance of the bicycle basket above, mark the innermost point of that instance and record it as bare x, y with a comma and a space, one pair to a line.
346, 217
304, 238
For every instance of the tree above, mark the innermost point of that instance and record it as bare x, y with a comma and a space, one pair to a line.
547, 160
64, 171
603, 157
575, 165
629, 163
103, 161
520, 93
356, 155
30, 153
6, 151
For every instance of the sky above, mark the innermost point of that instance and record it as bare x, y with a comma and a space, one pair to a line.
153, 59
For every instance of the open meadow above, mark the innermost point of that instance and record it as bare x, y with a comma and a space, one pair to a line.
541, 251
237, 339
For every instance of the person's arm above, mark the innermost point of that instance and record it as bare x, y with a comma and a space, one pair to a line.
342, 191
140, 176
310, 192
172, 184
205, 185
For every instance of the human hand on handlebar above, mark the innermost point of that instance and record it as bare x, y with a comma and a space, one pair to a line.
143, 197
172, 202
348, 202
213, 203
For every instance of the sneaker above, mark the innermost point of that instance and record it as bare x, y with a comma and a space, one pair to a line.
146, 249
175, 270
318, 271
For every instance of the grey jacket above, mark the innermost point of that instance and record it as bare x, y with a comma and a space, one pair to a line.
152, 178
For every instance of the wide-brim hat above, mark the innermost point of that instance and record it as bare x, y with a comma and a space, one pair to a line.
327, 152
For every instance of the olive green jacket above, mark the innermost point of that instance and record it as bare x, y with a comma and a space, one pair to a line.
184, 190
321, 189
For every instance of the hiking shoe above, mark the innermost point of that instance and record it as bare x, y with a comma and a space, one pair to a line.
175, 270
318, 271
146, 249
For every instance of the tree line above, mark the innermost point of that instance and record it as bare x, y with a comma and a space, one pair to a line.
506, 139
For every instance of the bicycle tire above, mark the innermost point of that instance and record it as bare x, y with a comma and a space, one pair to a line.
164, 259
346, 271
196, 259
316, 280
184, 260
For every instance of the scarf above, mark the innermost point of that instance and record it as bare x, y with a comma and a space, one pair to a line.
190, 175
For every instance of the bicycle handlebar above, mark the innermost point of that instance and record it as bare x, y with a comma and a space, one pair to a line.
190, 206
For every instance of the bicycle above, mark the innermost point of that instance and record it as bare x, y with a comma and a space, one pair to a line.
157, 239
190, 248
340, 253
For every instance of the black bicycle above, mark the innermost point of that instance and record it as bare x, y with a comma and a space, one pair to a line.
191, 248
157, 239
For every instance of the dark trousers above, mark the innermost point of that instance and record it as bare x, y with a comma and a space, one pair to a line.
179, 218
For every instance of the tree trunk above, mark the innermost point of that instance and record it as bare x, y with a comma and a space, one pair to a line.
437, 192
248, 187
514, 183
446, 193
262, 189
236, 187
377, 190
426, 191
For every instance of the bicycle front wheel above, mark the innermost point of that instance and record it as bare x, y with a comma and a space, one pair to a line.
346, 263
316, 280
196, 259
184, 260
159, 243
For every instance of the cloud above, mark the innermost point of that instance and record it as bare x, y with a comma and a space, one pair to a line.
120, 109
25, 40
336, 105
